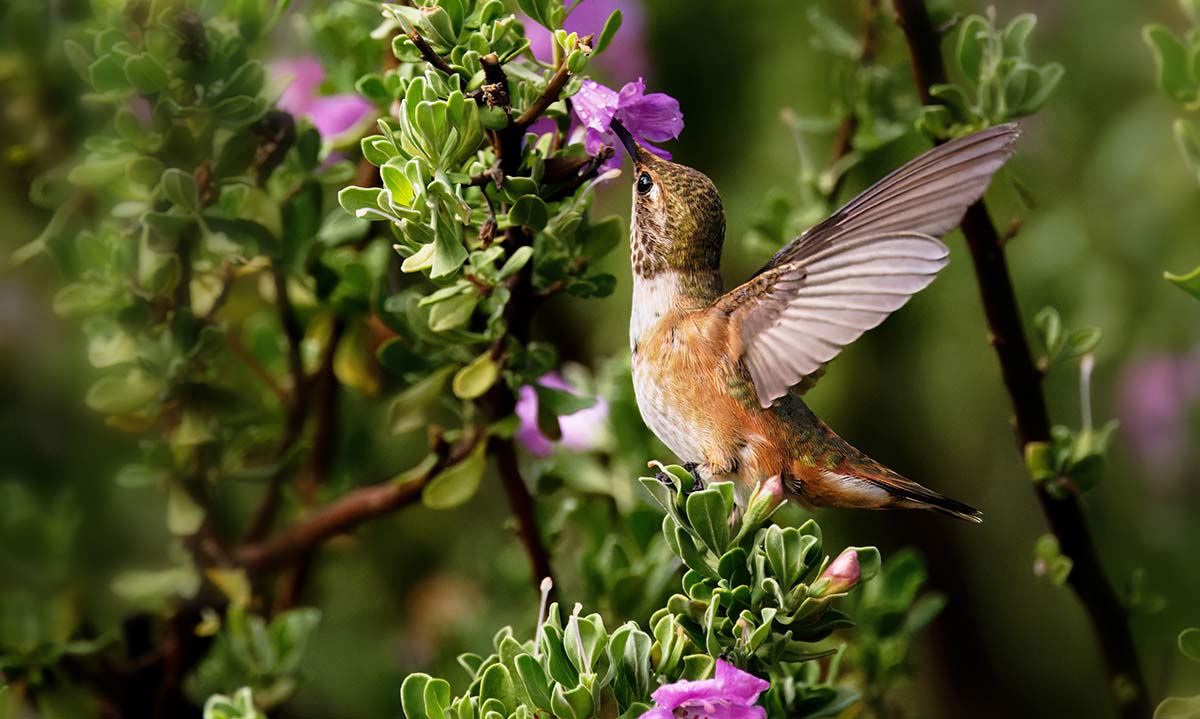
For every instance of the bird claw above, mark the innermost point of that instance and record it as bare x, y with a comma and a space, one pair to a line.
691, 467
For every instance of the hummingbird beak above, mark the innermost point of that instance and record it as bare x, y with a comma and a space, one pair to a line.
627, 140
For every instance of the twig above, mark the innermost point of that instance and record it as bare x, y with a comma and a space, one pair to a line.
325, 420
291, 331
428, 53
522, 505
585, 171
239, 350
1024, 383
843, 141
346, 513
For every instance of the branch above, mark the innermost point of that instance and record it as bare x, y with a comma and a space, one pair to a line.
843, 141
428, 53
1024, 384
346, 513
523, 507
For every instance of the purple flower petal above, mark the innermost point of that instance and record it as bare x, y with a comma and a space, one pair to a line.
304, 75
595, 105
528, 433
730, 694
655, 117
673, 696
581, 431
737, 685
336, 114
649, 118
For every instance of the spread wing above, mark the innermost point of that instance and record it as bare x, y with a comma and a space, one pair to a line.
847, 274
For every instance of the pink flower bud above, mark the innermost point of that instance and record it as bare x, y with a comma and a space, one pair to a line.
843, 573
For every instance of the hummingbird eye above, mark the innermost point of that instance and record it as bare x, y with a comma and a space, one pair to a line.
644, 183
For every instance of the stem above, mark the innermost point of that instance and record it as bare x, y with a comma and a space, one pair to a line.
1024, 383
523, 507
428, 53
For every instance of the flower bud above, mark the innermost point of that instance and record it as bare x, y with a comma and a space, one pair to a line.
767, 497
842, 574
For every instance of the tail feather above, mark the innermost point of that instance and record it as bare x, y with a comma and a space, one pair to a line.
908, 491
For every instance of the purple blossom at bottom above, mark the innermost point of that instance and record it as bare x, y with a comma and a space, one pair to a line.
581, 431
332, 115
730, 694
649, 118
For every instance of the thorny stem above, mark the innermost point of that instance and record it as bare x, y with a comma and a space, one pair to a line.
1024, 383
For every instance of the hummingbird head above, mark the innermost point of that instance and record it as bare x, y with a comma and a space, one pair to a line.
678, 221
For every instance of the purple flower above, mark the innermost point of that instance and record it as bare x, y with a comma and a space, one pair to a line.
624, 57
581, 431
843, 573
649, 118
731, 694
1156, 394
332, 115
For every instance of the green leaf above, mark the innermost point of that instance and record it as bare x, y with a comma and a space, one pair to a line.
1188, 140
529, 211
611, 26
107, 74
1178, 708
533, 677
497, 684
1082, 341
519, 258
119, 395
454, 312
973, 37
1016, 34
573, 704
184, 515
448, 254
79, 58
473, 380
457, 484
145, 74
413, 691
1049, 323
1189, 283
412, 408
709, 517
1189, 643
1171, 59
180, 188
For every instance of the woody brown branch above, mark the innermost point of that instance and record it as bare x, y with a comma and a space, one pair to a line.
1023, 381
346, 513
428, 53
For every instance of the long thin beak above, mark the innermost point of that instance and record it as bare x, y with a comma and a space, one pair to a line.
627, 140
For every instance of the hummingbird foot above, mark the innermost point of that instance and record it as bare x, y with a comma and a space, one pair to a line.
691, 467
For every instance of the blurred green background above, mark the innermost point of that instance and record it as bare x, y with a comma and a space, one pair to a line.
1115, 205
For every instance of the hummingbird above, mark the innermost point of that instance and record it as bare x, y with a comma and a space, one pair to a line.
719, 375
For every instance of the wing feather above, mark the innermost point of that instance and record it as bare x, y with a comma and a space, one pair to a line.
846, 274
